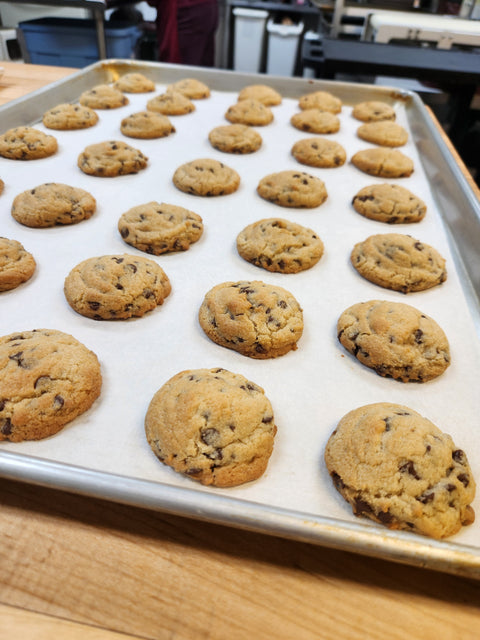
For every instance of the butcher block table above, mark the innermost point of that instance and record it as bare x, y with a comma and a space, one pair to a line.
74, 567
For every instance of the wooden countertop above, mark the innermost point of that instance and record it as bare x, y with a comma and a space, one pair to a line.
73, 567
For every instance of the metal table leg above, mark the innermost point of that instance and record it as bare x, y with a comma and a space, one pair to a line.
98, 17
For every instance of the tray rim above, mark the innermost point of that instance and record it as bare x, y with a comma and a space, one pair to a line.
356, 537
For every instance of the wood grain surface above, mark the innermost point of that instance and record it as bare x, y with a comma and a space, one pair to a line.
73, 568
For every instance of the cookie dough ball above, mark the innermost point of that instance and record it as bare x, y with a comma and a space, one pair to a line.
214, 426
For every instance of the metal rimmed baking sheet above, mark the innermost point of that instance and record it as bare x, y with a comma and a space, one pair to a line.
104, 452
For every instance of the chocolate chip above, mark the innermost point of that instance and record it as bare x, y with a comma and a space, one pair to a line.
464, 479
425, 498
409, 467
2, 405
459, 456
6, 428
337, 480
418, 336
17, 357
58, 402
94, 305
362, 506
210, 436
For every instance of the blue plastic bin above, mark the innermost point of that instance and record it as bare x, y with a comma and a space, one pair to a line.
72, 42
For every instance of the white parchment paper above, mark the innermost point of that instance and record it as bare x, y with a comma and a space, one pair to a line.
311, 388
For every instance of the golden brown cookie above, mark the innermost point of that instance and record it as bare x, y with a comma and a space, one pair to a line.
395, 340
250, 112
134, 82
235, 138
389, 203
66, 117
47, 379
116, 287
212, 425
103, 96
110, 159
261, 92
206, 177
399, 262
385, 133
27, 143
279, 245
319, 152
171, 103
397, 468
316, 121
2, 186
160, 228
373, 111
146, 125
16, 265
293, 189
256, 319
52, 204
322, 100
191, 88
383, 162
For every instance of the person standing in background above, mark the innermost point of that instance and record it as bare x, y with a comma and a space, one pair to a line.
186, 31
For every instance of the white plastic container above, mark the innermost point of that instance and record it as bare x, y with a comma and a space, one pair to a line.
282, 47
249, 35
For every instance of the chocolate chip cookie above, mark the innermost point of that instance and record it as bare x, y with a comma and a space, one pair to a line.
27, 143
235, 138
399, 262
171, 103
256, 319
160, 228
395, 340
390, 203
279, 245
321, 100
69, 117
250, 112
191, 88
206, 177
397, 468
134, 82
214, 426
316, 121
16, 265
385, 133
319, 152
52, 204
383, 162
111, 159
261, 92
103, 96
146, 125
47, 379
116, 287
373, 111
293, 189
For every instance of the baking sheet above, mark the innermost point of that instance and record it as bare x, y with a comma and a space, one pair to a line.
104, 452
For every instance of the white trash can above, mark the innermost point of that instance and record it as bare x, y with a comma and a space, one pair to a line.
249, 34
282, 47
